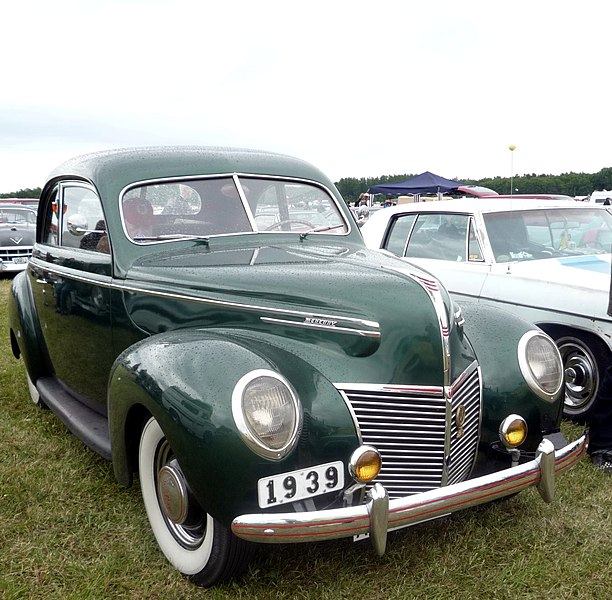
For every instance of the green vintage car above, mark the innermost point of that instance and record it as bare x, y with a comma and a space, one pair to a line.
210, 319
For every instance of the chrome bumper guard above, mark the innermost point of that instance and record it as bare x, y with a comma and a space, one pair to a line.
379, 514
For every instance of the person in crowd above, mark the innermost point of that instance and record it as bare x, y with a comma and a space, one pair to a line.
90, 240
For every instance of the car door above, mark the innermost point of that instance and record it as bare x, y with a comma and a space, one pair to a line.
446, 244
71, 281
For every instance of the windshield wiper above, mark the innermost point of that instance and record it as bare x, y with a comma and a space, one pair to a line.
172, 236
317, 229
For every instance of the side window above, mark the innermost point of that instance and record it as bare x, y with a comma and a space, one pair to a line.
396, 238
439, 236
52, 218
474, 249
83, 223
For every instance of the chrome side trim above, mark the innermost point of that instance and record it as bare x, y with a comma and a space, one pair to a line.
252, 307
362, 326
91, 278
283, 528
332, 328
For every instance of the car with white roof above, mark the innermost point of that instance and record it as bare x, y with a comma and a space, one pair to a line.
546, 261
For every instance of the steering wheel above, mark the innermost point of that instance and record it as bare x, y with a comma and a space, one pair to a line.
288, 221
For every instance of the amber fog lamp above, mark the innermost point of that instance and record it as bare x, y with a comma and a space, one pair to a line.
365, 464
513, 431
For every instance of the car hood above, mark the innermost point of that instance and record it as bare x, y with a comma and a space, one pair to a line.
314, 277
588, 272
353, 299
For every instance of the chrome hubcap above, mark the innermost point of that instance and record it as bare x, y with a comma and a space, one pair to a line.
184, 518
580, 375
172, 493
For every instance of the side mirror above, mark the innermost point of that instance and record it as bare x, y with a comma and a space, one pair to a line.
77, 224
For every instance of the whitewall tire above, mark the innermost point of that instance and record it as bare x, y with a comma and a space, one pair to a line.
198, 546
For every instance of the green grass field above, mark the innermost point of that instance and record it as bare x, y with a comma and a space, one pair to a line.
67, 530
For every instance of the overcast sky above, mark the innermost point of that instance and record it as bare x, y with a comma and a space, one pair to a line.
358, 88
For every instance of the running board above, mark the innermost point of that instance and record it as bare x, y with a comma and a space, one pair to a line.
88, 425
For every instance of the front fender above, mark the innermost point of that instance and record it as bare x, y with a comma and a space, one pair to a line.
185, 380
25, 328
494, 334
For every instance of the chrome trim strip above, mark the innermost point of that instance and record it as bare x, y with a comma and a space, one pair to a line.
402, 512
422, 390
94, 279
332, 328
107, 281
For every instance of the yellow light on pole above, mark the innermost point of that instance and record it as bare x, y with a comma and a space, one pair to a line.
512, 148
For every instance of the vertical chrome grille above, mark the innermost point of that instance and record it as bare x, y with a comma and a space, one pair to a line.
466, 392
411, 428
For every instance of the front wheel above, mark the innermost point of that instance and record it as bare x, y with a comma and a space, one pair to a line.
584, 366
195, 543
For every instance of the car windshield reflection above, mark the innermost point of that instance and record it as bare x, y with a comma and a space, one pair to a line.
538, 234
198, 209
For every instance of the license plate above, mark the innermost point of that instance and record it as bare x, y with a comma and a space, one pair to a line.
297, 485
19, 260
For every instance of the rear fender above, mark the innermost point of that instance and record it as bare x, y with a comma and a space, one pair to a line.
185, 379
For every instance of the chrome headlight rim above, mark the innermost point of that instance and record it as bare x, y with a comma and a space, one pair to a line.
248, 436
526, 370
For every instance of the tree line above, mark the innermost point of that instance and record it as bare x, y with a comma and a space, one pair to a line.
25, 193
569, 184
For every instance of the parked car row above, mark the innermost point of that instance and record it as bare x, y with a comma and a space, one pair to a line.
272, 380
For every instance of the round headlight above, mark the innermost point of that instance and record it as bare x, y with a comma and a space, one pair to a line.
513, 431
267, 413
540, 364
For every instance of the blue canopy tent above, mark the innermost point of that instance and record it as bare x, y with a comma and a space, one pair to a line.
425, 183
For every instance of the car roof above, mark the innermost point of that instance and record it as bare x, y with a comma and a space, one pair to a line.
113, 170
6, 205
483, 205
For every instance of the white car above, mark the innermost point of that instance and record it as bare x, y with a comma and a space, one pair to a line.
544, 260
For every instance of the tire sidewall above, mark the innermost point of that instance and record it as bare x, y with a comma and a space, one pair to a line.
187, 561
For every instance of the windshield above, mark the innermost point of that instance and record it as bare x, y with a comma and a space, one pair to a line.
227, 205
536, 234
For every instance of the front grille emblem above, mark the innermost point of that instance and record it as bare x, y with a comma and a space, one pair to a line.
16, 240
460, 420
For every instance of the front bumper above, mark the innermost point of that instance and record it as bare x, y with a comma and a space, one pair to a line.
379, 514
8, 266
